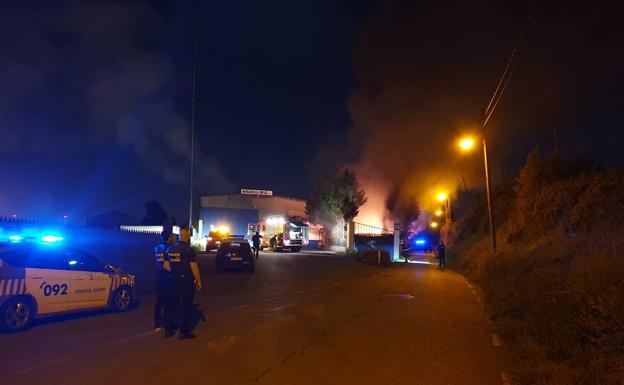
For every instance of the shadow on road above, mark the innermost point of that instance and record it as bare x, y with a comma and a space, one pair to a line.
48, 320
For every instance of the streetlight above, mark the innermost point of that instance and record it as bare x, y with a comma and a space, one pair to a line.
438, 213
434, 225
467, 144
443, 198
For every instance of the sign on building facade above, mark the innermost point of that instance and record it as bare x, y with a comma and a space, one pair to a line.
247, 191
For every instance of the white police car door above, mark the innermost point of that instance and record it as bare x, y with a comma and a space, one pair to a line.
48, 281
90, 286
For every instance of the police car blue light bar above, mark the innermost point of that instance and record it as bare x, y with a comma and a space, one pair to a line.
15, 238
51, 238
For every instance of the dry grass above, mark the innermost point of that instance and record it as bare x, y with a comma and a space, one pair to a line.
556, 287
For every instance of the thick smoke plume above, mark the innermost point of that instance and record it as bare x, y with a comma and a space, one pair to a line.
425, 71
411, 102
126, 85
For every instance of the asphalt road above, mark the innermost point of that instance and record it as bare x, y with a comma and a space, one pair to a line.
299, 319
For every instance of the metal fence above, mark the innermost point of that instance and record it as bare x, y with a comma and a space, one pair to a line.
361, 228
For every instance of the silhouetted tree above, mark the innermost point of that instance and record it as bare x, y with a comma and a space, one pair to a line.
350, 196
340, 199
155, 215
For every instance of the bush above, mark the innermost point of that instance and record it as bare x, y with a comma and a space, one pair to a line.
374, 257
556, 286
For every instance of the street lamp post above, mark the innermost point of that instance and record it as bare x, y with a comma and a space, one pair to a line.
193, 116
445, 200
488, 192
467, 144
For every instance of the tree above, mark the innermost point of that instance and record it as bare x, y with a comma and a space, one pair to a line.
349, 196
320, 207
155, 215
337, 200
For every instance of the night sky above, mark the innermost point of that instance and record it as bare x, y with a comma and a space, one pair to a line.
95, 96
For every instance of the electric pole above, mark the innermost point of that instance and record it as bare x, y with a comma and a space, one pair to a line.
193, 115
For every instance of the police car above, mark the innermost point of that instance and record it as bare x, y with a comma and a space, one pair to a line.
45, 278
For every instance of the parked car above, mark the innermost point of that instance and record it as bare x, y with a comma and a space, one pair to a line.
234, 253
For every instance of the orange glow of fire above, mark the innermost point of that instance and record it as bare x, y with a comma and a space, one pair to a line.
373, 212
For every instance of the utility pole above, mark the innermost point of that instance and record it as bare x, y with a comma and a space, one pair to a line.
193, 115
488, 191
465, 185
447, 209
487, 114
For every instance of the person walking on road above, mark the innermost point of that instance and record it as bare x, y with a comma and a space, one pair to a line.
167, 238
256, 243
442, 254
181, 262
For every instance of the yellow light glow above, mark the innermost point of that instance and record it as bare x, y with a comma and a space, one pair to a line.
466, 144
438, 213
224, 229
434, 225
441, 196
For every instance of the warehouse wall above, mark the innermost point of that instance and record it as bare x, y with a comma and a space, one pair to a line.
236, 218
283, 206
265, 205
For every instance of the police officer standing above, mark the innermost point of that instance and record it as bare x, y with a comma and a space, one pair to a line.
181, 262
256, 243
167, 238
442, 255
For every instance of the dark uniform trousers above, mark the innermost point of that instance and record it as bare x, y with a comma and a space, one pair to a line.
162, 288
182, 289
180, 302
441, 256
162, 285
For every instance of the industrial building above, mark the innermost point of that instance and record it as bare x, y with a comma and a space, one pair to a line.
237, 211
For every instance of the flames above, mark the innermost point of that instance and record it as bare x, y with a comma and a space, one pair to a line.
374, 212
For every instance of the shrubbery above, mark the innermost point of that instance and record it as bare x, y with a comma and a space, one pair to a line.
374, 257
556, 287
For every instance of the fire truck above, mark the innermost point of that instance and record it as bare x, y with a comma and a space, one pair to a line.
279, 233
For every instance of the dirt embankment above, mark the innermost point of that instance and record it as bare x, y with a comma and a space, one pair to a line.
555, 288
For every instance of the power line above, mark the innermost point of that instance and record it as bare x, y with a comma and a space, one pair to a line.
448, 167
500, 87
509, 68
